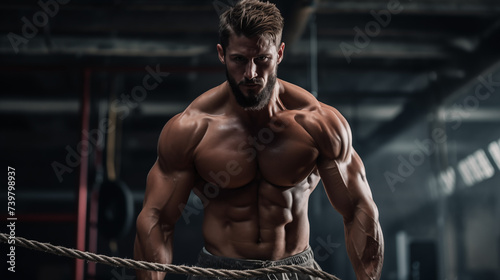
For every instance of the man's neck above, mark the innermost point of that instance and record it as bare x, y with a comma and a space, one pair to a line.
259, 118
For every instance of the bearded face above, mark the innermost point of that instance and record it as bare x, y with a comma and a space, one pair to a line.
251, 69
257, 94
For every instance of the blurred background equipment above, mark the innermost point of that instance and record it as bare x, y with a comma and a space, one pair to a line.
83, 82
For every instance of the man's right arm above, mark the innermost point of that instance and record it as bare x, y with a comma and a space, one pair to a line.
169, 184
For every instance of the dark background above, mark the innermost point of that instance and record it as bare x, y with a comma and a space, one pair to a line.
417, 81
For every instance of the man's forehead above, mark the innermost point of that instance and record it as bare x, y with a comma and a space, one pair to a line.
254, 45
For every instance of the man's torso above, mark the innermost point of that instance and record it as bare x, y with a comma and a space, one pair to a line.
256, 181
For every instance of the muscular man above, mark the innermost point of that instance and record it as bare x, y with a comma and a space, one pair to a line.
254, 148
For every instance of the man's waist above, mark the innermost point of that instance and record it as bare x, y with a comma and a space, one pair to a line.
206, 259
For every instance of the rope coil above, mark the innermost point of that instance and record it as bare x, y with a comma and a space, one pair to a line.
169, 268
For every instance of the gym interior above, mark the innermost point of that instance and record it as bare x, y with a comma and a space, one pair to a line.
87, 86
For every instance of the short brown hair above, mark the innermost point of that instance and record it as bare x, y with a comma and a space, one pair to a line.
251, 18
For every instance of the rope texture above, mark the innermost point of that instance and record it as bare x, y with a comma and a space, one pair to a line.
169, 268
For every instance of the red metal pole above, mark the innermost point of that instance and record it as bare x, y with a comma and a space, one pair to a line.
94, 204
82, 186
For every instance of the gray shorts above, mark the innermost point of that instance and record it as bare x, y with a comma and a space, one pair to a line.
306, 259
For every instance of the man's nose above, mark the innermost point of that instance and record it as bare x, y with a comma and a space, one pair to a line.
250, 70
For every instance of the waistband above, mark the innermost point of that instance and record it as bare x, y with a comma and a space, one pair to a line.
205, 259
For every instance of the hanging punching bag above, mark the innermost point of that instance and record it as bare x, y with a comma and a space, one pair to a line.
116, 209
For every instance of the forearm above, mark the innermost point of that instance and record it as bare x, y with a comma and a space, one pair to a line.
153, 243
365, 245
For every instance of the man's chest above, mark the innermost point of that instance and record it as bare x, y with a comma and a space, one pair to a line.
231, 156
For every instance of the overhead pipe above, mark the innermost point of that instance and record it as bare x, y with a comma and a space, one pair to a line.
98, 68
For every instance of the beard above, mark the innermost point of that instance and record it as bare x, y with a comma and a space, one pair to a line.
254, 101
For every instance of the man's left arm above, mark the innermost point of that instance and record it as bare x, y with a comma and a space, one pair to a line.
344, 179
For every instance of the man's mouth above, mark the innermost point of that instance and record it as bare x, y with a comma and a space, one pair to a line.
251, 84
251, 88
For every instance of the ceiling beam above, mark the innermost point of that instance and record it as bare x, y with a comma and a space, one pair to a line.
450, 7
477, 63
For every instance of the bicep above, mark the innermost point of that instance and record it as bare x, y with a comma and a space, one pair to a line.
167, 192
172, 177
342, 170
346, 186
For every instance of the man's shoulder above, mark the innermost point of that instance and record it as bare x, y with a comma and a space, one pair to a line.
179, 138
304, 106
198, 112
323, 122
209, 103
297, 98
188, 127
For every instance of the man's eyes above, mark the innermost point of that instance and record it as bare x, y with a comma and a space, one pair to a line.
239, 58
244, 59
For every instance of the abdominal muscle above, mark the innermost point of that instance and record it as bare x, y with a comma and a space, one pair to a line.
258, 221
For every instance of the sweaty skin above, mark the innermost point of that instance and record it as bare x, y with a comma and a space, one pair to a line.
255, 170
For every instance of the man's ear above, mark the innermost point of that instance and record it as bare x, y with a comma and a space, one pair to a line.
220, 52
281, 52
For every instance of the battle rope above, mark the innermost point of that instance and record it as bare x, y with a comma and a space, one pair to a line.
169, 268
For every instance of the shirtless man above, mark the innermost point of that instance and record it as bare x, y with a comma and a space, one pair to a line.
254, 148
